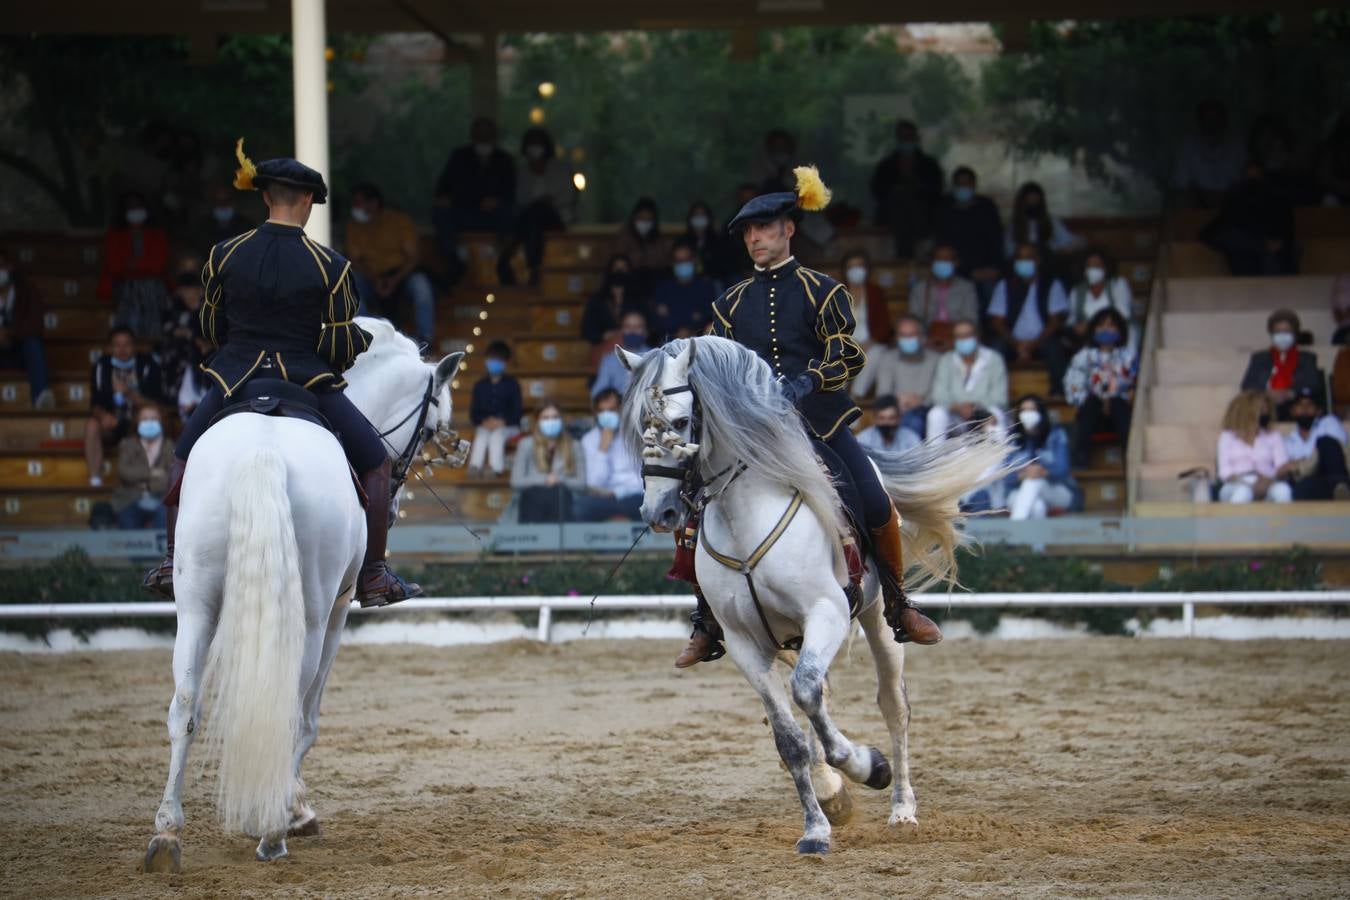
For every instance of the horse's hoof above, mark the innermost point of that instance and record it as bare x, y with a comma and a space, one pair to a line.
839, 808
269, 852
305, 827
813, 846
880, 779
164, 854
900, 817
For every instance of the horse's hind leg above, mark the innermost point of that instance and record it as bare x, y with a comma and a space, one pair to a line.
757, 666
824, 633
894, 702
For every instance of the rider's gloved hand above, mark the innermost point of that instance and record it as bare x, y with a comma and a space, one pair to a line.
798, 388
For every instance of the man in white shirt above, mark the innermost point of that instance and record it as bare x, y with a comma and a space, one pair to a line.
970, 385
613, 480
1027, 314
1210, 160
1317, 444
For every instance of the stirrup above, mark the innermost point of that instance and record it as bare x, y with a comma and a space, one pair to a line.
158, 581
395, 590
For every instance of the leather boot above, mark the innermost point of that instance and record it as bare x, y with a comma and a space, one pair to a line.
159, 580
377, 584
705, 644
908, 623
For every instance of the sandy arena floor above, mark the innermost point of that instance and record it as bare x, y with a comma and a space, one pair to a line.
1078, 768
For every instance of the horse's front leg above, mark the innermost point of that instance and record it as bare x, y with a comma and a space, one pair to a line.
893, 699
757, 665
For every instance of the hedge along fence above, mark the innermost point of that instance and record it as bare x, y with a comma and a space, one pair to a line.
74, 578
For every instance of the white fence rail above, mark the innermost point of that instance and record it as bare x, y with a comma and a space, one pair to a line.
546, 606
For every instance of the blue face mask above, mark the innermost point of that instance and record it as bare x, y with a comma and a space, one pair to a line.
495, 367
684, 270
963, 194
149, 429
123, 364
908, 345
1025, 268
550, 428
607, 419
1108, 337
634, 340
943, 269
966, 346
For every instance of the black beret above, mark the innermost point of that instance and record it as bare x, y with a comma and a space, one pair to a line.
291, 173
766, 208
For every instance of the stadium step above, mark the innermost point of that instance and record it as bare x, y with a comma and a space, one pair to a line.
1225, 294
42, 253
48, 469
1206, 330
49, 507
1188, 404
32, 432
70, 394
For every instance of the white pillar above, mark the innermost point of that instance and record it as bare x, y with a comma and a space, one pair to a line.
309, 74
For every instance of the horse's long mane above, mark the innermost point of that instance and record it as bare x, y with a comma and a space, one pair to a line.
745, 417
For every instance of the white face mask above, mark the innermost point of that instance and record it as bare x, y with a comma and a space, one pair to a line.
223, 214
698, 223
1029, 418
1095, 274
359, 214
643, 226
136, 216
1282, 340
856, 274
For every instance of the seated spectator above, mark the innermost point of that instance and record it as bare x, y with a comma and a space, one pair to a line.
886, 433
905, 372
612, 374
549, 470
1033, 223
605, 308
680, 304
1255, 227
970, 224
1340, 309
1040, 482
871, 313
119, 381
194, 384
476, 191
222, 223
613, 480
1284, 368
907, 187
648, 250
1253, 464
548, 202
1027, 314
177, 348
1317, 447
942, 297
385, 252
21, 315
495, 412
1333, 163
135, 265
1100, 382
969, 386
143, 462
1100, 288
1209, 161
772, 171
711, 247
1271, 145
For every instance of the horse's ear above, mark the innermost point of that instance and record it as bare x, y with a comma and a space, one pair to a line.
686, 359
629, 360
445, 371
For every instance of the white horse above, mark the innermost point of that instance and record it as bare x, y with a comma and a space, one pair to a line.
271, 537
711, 405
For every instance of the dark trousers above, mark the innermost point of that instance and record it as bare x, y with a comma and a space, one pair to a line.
531, 225
1331, 471
595, 508
26, 353
360, 441
875, 501
1096, 415
545, 505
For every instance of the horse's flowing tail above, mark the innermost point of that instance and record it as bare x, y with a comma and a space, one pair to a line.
926, 483
254, 664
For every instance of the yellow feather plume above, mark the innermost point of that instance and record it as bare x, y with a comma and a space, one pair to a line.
243, 176
812, 194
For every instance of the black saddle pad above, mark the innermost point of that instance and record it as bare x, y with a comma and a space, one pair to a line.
848, 493
275, 397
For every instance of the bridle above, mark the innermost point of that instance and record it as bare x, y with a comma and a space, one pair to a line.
658, 434
455, 454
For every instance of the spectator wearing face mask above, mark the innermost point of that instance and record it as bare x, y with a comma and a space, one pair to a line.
711, 247
1027, 313
548, 203
1100, 382
120, 381
1209, 160
969, 386
904, 371
143, 472
21, 315
222, 222
1340, 309
871, 313
648, 250
1253, 462
1317, 447
385, 253
1254, 229
970, 224
182, 325
1033, 223
495, 412
605, 308
135, 268
907, 187
1040, 481
942, 297
1284, 368
614, 375
549, 470
1099, 289
680, 304
613, 480
886, 433
476, 191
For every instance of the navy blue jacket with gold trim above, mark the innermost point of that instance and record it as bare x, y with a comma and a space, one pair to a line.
280, 303
798, 320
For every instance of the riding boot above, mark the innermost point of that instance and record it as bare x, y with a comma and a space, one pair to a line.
159, 580
377, 584
705, 644
908, 623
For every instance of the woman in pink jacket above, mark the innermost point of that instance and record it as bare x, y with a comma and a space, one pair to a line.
1253, 464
